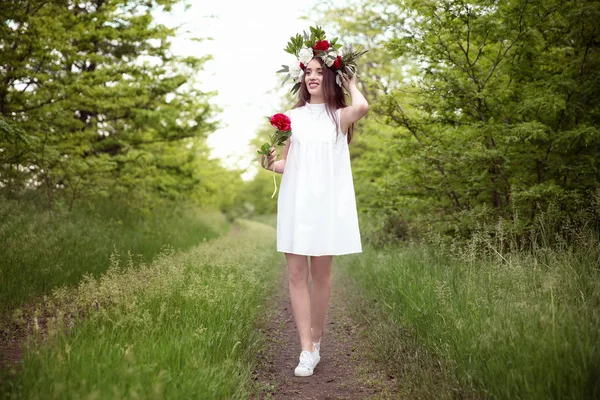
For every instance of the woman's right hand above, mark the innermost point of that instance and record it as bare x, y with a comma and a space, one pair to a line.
271, 159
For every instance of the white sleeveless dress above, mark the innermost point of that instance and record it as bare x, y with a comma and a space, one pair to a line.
316, 208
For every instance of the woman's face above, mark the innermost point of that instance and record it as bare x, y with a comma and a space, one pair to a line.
313, 75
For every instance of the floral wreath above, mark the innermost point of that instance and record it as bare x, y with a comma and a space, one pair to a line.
305, 47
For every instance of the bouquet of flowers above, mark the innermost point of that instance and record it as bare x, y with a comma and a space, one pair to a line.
306, 46
284, 131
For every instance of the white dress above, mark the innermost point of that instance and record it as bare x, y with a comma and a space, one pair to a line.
316, 207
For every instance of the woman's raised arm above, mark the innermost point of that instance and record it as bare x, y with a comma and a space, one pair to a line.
359, 108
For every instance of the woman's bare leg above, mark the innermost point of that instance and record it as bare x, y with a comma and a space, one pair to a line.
320, 270
300, 297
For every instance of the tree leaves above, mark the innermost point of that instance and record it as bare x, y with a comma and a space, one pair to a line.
475, 105
94, 102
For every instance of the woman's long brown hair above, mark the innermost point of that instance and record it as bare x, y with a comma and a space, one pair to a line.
332, 94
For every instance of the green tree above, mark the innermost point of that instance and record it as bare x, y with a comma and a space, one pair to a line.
93, 102
499, 117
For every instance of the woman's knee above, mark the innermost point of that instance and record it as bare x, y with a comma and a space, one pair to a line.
320, 270
321, 279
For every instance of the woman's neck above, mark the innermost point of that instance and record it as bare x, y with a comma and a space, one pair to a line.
316, 100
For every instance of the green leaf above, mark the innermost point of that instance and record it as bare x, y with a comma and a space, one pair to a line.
295, 88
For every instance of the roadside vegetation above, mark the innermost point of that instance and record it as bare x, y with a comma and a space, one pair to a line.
182, 326
505, 322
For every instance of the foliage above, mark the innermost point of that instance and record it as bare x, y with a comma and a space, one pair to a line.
41, 251
254, 196
93, 102
183, 326
506, 324
479, 109
296, 43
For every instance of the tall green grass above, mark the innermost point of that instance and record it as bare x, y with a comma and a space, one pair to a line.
509, 325
182, 327
42, 250
269, 219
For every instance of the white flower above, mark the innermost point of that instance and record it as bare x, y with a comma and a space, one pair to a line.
329, 58
305, 55
295, 71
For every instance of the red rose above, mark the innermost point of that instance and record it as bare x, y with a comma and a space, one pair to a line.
337, 64
302, 66
281, 122
321, 45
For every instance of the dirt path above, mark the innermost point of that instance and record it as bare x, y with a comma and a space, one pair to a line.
344, 372
13, 334
10, 350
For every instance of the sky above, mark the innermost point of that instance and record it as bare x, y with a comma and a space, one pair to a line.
247, 49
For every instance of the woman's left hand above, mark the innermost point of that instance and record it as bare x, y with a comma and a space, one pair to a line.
348, 82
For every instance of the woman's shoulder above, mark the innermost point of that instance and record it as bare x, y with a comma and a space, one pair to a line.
294, 111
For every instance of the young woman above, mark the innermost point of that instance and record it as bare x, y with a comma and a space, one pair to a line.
316, 210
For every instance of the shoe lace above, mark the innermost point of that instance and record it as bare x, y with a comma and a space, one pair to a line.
306, 360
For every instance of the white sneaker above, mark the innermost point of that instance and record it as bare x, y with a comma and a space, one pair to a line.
308, 362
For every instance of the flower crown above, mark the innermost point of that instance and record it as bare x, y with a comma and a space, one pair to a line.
305, 47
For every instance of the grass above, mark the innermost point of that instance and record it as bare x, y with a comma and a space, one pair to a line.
406, 369
183, 326
41, 251
268, 219
512, 325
